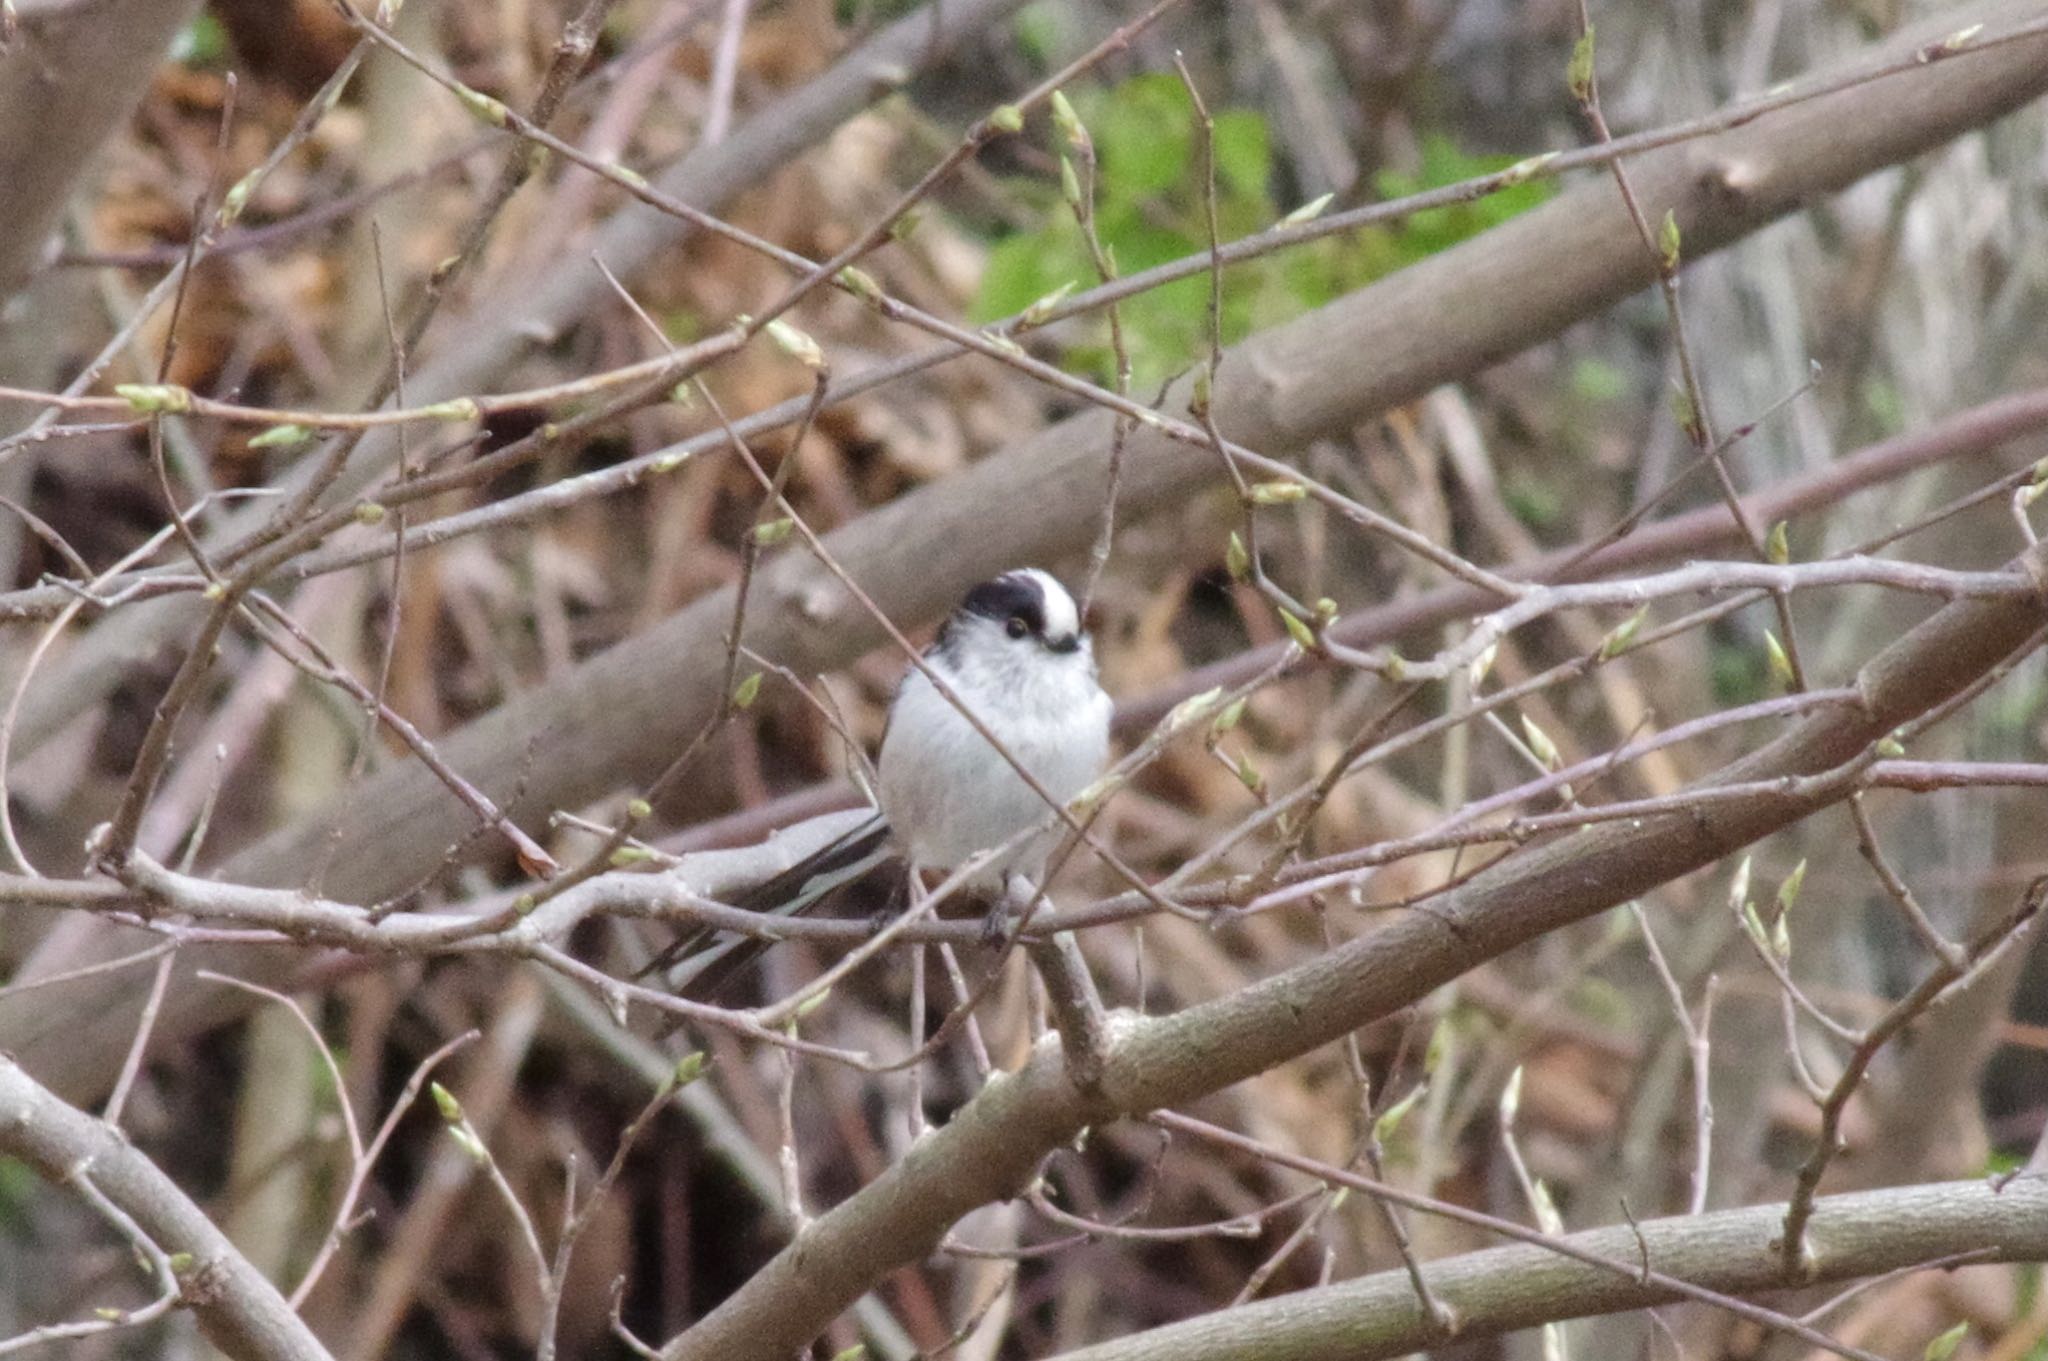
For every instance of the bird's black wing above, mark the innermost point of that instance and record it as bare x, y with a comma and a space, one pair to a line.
697, 964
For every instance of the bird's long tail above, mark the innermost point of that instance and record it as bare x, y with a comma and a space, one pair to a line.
698, 965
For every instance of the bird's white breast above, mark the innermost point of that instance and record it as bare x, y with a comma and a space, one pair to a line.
949, 794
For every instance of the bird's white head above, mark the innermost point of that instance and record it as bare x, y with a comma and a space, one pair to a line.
1027, 607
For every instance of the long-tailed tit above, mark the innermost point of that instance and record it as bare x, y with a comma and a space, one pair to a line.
1014, 653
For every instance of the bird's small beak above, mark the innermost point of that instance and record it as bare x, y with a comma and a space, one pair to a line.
1070, 643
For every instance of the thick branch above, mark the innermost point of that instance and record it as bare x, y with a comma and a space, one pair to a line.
995, 1142
619, 716
1503, 1289
240, 1310
74, 73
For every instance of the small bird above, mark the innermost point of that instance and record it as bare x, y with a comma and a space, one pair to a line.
1015, 653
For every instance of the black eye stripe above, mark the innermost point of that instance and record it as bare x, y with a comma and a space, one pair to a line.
1013, 596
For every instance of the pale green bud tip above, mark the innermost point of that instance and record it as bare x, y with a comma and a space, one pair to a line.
1482, 665
1738, 888
689, 1068
369, 513
811, 1004
639, 810
1952, 44
1511, 1097
1624, 634
179, 1262
1237, 558
1297, 628
772, 532
444, 1100
1007, 118
469, 1144
1579, 71
454, 409
796, 344
860, 283
1192, 708
1039, 312
1781, 662
1390, 1120
281, 437
1788, 892
1890, 747
484, 108
746, 691
237, 197
151, 399
630, 855
1066, 120
1308, 212
1277, 493
1528, 169
1668, 241
1777, 548
1944, 1344
628, 176
1232, 715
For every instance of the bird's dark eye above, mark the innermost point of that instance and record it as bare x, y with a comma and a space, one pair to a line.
1015, 626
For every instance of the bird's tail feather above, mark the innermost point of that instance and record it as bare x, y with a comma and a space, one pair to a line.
697, 965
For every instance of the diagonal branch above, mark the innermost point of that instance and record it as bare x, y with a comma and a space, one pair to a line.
993, 1144
239, 1309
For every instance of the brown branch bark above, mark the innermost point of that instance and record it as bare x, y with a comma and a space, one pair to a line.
529, 314
240, 1311
617, 717
74, 73
1503, 1289
993, 1144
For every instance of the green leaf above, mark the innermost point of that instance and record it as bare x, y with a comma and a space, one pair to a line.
1144, 134
747, 690
1944, 1345
1244, 154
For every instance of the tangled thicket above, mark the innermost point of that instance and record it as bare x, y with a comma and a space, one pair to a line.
1556, 491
